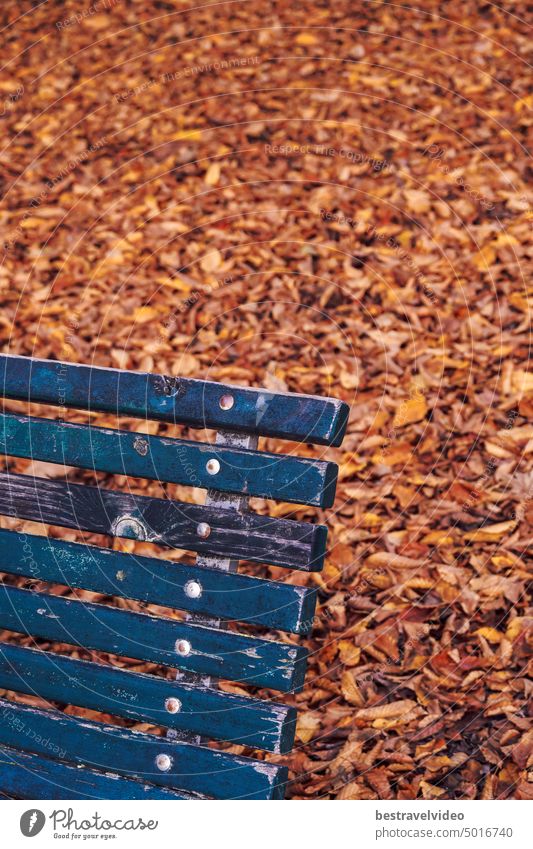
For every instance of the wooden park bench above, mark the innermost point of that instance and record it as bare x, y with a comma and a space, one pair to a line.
48, 754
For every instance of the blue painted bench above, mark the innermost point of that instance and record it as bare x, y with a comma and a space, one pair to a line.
47, 753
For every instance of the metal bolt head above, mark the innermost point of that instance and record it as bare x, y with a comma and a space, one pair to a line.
226, 402
193, 589
203, 530
163, 762
213, 466
183, 647
172, 705
129, 527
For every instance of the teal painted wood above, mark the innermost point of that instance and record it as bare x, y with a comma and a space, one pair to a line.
231, 596
256, 473
245, 536
197, 403
208, 651
205, 711
27, 776
137, 755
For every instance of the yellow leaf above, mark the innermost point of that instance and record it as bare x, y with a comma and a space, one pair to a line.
31, 222
143, 314
490, 634
306, 38
484, 258
504, 240
412, 410
212, 174
349, 654
190, 135
370, 520
515, 628
491, 533
519, 301
522, 381
306, 726
438, 538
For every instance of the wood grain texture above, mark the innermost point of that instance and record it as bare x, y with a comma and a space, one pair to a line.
240, 598
210, 712
174, 524
306, 418
132, 753
257, 473
27, 776
224, 654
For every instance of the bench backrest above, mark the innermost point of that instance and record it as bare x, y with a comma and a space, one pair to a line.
210, 592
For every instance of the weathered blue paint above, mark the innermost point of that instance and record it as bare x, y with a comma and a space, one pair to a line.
224, 654
232, 596
255, 473
205, 711
231, 534
27, 776
197, 403
174, 524
131, 753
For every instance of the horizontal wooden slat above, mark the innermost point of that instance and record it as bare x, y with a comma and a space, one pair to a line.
178, 461
246, 536
306, 418
190, 768
205, 711
27, 776
223, 654
222, 595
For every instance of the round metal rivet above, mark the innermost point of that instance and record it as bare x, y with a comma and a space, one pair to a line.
163, 762
203, 530
173, 705
227, 402
213, 466
193, 589
183, 647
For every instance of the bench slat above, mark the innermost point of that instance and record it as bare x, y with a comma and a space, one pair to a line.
224, 654
191, 768
133, 695
245, 536
121, 452
27, 776
241, 598
306, 418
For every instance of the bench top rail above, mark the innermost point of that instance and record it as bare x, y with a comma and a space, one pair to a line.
178, 400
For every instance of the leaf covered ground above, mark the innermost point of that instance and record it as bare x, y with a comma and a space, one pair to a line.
329, 198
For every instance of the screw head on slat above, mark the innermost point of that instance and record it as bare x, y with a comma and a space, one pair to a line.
183, 647
193, 589
173, 705
163, 762
203, 530
227, 402
213, 466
